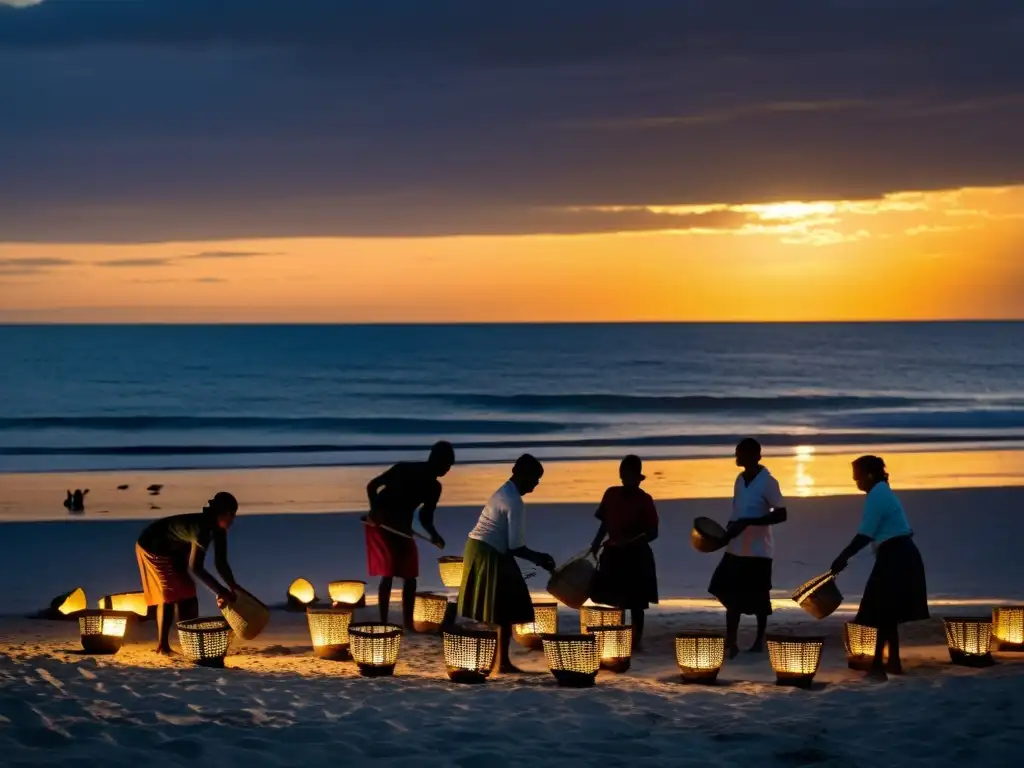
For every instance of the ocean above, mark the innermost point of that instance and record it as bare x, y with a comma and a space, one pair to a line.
75, 398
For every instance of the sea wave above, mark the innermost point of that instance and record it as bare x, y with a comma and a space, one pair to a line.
358, 425
617, 403
652, 441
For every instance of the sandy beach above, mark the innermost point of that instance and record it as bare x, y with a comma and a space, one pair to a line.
277, 705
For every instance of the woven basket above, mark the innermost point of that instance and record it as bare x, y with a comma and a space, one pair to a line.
205, 641
614, 646
103, 632
127, 601
700, 656
570, 583
469, 654
1008, 627
970, 640
450, 567
301, 594
795, 659
247, 616
348, 592
328, 629
572, 659
860, 645
600, 616
68, 605
820, 596
375, 647
545, 622
429, 612
707, 535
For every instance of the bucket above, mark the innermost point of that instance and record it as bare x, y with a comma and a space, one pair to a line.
571, 582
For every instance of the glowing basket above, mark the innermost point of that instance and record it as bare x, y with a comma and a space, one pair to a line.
102, 631
1008, 627
572, 659
328, 629
132, 602
348, 592
545, 622
450, 567
614, 646
600, 616
794, 659
375, 648
428, 612
204, 642
69, 603
860, 645
970, 641
469, 653
300, 595
700, 656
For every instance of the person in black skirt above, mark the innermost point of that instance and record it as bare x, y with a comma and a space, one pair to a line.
626, 576
896, 591
743, 580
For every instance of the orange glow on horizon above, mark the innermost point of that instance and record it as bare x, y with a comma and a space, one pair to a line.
914, 255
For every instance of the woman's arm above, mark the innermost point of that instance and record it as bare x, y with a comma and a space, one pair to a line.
198, 571
602, 531
220, 558
859, 542
540, 559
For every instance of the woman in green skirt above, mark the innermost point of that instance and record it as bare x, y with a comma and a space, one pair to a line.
493, 589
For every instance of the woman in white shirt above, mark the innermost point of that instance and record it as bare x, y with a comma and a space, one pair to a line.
743, 580
493, 589
896, 591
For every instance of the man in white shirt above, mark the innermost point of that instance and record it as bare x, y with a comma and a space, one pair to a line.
743, 580
493, 589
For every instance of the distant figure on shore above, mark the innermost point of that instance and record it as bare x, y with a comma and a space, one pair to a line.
171, 554
626, 577
743, 580
493, 589
390, 547
75, 502
896, 591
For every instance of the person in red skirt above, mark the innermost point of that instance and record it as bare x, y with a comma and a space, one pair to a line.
626, 576
394, 498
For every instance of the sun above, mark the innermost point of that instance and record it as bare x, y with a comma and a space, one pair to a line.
789, 210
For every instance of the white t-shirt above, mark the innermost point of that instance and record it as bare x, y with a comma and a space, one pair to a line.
884, 517
502, 522
751, 501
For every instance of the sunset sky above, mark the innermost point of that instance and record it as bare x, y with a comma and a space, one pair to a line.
452, 160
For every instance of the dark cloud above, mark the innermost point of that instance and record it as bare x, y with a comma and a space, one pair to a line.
31, 265
171, 119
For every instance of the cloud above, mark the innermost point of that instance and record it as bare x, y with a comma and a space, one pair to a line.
149, 262
31, 265
228, 254
401, 118
210, 280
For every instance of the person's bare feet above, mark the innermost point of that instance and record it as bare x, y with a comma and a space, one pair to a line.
894, 668
732, 651
757, 647
164, 650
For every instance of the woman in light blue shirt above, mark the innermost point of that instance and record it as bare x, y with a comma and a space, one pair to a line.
896, 591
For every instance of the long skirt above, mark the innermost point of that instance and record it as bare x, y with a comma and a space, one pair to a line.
626, 577
493, 589
388, 554
743, 584
896, 591
164, 579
